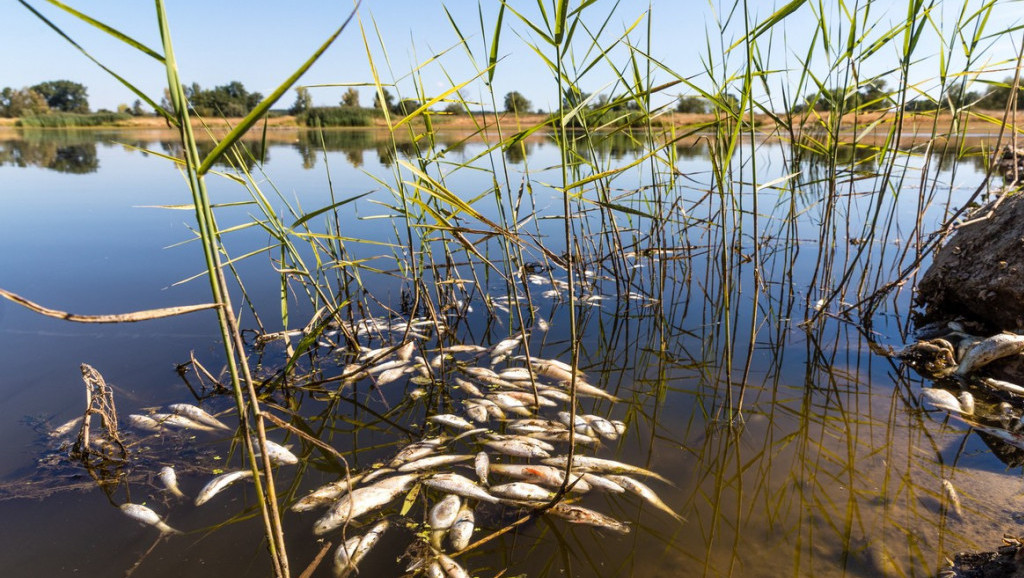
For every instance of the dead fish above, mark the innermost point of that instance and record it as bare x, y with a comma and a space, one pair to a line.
554, 369
392, 375
543, 325
170, 481
516, 374
145, 422
433, 462
406, 351
505, 346
601, 465
451, 568
181, 421
543, 475
941, 399
197, 414
645, 492
216, 485
577, 422
581, 515
69, 426
461, 531
482, 465
522, 491
378, 472
989, 350
442, 515
516, 447
352, 551
147, 516
954, 499
467, 387
479, 372
362, 500
1004, 385
475, 411
563, 436
601, 483
465, 348
966, 402
602, 426
492, 408
620, 426
279, 455
552, 393
451, 420
530, 400
459, 484
509, 404
325, 494
417, 450
534, 425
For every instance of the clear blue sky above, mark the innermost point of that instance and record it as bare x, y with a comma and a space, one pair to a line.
260, 42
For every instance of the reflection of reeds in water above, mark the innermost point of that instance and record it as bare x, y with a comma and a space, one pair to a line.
705, 277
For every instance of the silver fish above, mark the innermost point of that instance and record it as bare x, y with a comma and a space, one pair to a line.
392, 375
1005, 385
170, 481
563, 436
475, 411
145, 422
543, 475
442, 515
352, 551
516, 374
181, 421
278, 453
619, 426
481, 465
378, 472
989, 350
530, 400
942, 399
588, 464
954, 499
516, 447
451, 420
642, 490
462, 529
197, 414
66, 428
522, 491
600, 483
543, 325
581, 515
505, 346
467, 386
528, 426
325, 494
433, 462
603, 427
217, 484
363, 500
458, 484
451, 568
406, 351
465, 348
147, 516
417, 450
966, 402
479, 372
510, 404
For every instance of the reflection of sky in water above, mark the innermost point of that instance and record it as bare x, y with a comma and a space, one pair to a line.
831, 474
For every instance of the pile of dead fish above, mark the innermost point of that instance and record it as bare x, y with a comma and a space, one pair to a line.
499, 448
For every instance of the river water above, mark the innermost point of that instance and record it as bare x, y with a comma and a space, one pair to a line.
792, 449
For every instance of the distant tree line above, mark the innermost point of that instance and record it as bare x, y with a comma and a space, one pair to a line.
42, 98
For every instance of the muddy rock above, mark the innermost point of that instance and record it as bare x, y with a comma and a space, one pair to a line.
979, 273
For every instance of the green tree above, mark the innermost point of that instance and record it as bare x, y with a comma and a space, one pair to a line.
691, 104
350, 98
454, 109
389, 100
998, 93
303, 101
516, 103
16, 103
407, 106
64, 95
137, 108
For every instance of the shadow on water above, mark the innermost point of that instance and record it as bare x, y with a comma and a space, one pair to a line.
789, 449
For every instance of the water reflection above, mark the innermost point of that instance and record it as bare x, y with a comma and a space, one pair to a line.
61, 151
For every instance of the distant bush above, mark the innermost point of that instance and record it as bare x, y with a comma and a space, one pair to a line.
337, 116
71, 119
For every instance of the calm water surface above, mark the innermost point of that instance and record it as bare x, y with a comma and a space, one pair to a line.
835, 470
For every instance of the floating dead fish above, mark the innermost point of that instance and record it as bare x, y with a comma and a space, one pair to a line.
362, 500
144, 422
431, 462
462, 528
601, 465
482, 465
475, 411
479, 372
216, 485
465, 348
197, 414
468, 387
325, 494
406, 351
602, 426
378, 472
989, 350
542, 475
942, 399
620, 426
966, 402
516, 374
951, 495
451, 568
601, 483
517, 448
580, 515
509, 403
442, 515
147, 516
451, 420
393, 374
1004, 385
173, 419
459, 484
528, 399
417, 450
170, 481
537, 443
522, 491
563, 436
279, 455
70, 426
351, 552
534, 425
645, 492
